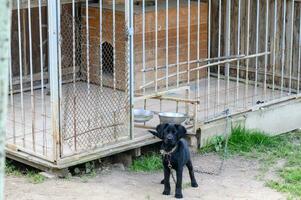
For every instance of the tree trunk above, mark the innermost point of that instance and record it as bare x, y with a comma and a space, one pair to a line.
5, 18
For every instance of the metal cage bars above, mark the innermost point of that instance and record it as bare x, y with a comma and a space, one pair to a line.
232, 78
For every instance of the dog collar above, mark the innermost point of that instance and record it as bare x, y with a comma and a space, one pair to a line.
163, 152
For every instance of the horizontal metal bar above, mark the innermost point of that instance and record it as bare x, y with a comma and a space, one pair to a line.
209, 65
193, 62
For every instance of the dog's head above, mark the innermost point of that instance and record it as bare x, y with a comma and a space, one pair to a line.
170, 133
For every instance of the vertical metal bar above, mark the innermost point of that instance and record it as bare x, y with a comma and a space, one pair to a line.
88, 45
227, 48
247, 53
188, 43
31, 78
198, 54
188, 52
129, 14
209, 55
219, 51
238, 52
42, 78
283, 47
266, 49
167, 44
11, 92
100, 44
256, 47
274, 45
156, 45
291, 46
73, 45
53, 38
143, 44
178, 41
114, 43
21, 74
5, 23
299, 57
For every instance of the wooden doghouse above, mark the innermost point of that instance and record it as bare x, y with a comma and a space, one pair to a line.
177, 50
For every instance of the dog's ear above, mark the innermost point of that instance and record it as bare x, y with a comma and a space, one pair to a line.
155, 133
181, 131
160, 128
159, 131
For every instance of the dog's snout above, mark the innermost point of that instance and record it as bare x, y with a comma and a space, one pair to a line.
169, 137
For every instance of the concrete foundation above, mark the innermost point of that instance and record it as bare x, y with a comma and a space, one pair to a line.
272, 119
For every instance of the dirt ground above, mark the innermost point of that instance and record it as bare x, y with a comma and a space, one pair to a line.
237, 181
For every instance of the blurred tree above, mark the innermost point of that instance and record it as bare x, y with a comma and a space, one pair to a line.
5, 13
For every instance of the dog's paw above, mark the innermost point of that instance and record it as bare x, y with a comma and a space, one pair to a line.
166, 192
179, 196
162, 182
195, 185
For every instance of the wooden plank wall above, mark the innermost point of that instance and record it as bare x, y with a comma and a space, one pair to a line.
25, 42
262, 22
172, 40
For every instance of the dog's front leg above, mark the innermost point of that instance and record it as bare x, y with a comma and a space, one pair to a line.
166, 181
179, 183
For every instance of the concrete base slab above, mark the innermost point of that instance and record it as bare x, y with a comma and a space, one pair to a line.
271, 119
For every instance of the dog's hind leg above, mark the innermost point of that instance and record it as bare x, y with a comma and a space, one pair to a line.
166, 181
191, 174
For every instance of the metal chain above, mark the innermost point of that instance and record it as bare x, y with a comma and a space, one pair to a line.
219, 171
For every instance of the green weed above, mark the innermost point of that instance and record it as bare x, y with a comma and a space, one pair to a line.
268, 150
147, 163
19, 170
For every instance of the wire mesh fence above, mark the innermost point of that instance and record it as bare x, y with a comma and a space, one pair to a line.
95, 101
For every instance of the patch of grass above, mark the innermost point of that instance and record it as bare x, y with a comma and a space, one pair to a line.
243, 141
268, 150
147, 163
34, 177
293, 189
13, 168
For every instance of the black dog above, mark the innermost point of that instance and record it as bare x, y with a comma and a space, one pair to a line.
175, 155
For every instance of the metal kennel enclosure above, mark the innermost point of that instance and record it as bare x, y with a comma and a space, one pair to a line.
80, 67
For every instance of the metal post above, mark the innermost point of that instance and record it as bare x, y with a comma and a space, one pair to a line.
53, 38
178, 41
227, 47
208, 56
247, 53
5, 18
143, 44
274, 46
166, 44
238, 52
266, 48
156, 45
129, 15
299, 57
283, 46
219, 51
21, 72
291, 45
42, 79
256, 47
